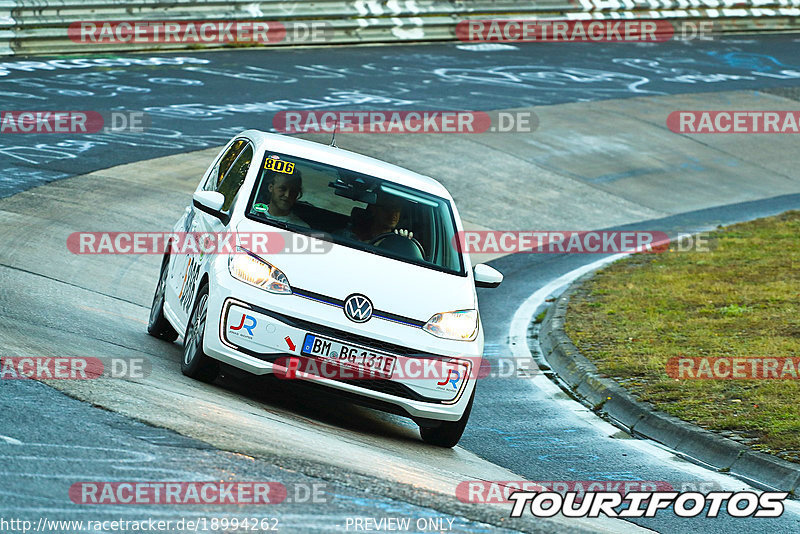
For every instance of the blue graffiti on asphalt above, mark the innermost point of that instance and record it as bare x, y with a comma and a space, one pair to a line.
750, 61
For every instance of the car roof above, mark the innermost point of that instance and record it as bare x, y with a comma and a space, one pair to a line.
339, 157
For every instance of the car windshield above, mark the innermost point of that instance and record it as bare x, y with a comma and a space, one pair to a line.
357, 211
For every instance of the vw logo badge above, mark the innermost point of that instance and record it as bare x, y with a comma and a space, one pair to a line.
358, 308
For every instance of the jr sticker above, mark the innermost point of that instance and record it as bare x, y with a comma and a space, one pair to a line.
453, 377
248, 323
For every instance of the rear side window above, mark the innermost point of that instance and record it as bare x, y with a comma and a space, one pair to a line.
223, 165
232, 180
228, 174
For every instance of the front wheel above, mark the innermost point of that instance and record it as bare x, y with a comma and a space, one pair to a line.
447, 433
196, 364
158, 326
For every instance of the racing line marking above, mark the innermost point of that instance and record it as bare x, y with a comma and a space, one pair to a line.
10, 441
518, 330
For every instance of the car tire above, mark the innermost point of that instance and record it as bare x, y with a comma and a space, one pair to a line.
447, 433
195, 363
158, 326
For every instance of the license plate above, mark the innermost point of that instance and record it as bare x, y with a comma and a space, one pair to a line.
359, 358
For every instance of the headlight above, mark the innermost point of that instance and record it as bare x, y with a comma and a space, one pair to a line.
249, 268
459, 325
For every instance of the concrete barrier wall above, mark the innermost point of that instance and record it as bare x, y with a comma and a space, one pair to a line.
42, 26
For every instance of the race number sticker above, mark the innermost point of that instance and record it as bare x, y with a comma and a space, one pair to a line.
279, 166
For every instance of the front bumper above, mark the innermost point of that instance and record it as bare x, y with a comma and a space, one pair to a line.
261, 341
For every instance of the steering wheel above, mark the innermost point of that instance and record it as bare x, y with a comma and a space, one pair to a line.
384, 235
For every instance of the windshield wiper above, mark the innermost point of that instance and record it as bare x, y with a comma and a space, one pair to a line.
275, 222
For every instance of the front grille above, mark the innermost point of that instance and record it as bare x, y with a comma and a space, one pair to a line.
345, 336
377, 384
388, 387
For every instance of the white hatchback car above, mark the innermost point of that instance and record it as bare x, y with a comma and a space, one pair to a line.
367, 293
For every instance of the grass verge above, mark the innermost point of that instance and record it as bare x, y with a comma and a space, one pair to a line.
739, 299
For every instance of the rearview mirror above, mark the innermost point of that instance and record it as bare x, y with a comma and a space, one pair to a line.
211, 202
486, 276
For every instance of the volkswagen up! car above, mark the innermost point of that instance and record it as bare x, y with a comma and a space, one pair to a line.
368, 292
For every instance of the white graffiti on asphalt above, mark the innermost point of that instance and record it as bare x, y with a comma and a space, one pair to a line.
588, 81
545, 77
677, 69
87, 63
11, 177
515, 76
249, 72
158, 138
84, 84
199, 111
399, 78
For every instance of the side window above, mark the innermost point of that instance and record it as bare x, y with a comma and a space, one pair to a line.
234, 177
217, 174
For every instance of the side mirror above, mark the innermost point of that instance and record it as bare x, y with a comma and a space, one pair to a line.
486, 276
211, 202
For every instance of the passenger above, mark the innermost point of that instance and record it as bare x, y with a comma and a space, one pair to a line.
284, 190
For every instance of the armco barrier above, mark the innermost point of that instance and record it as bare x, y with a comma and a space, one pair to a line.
40, 26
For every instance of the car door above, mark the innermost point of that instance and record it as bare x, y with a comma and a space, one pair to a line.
226, 177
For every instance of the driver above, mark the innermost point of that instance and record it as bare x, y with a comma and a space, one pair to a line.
381, 218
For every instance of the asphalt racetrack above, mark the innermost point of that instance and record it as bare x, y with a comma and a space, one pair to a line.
601, 158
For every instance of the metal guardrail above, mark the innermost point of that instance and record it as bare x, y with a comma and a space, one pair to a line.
41, 26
